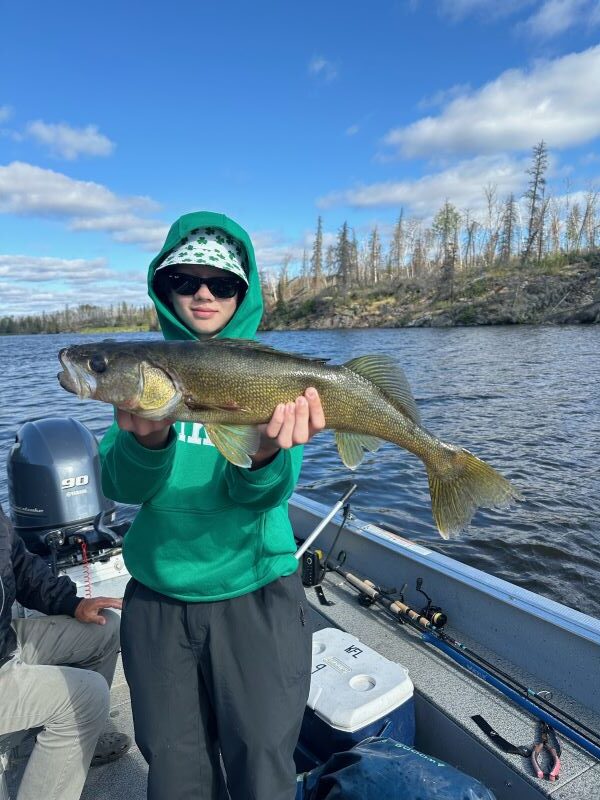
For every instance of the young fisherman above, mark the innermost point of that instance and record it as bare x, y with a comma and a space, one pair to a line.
215, 635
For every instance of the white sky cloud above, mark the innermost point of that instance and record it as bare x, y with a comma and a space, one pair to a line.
444, 96
59, 281
322, 68
271, 249
44, 268
558, 101
548, 18
67, 142
458, 9
462, 184
28, 190
554, 17
19, 300
5, 113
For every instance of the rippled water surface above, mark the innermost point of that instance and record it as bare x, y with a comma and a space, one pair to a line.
526, 399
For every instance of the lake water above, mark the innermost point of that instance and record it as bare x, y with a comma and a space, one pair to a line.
526, 399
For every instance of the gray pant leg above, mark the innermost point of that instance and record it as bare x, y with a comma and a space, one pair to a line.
62, 640
175, 726
71, 705
258, 665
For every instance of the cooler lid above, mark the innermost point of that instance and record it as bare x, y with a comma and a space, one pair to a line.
352, 685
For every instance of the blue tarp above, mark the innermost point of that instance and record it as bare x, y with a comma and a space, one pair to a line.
381, 767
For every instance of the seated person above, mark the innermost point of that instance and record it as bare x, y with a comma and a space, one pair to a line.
69, 704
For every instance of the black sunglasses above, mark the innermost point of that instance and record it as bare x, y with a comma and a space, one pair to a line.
222, 288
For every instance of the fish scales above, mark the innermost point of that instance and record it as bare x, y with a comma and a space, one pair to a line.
233, 385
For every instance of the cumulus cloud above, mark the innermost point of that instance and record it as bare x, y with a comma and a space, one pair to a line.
272, 249
5, 113
462, 184
42, 269
19, 300
319, 67
554, 17
557, 101
28, 190
547, 18
459, 9
67, 142
32, 284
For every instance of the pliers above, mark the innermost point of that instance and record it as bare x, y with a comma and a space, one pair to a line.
545, 743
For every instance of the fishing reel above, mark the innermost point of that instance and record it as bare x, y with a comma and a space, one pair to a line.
433, 614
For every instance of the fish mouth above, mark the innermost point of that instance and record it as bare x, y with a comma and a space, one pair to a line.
74, 378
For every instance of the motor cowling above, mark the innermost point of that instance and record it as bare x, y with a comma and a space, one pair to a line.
54, 485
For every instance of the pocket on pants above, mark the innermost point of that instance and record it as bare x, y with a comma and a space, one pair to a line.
291, 625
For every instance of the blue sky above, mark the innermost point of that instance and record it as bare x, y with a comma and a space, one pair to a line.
115, 118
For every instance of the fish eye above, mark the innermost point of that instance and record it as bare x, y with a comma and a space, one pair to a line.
97, 363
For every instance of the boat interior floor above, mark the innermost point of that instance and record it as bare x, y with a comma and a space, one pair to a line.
446, 697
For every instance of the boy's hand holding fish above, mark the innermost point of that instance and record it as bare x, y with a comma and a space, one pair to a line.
291, 424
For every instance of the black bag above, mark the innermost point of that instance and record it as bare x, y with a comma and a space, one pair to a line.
384, 768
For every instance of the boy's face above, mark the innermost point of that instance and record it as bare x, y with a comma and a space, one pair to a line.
202, 312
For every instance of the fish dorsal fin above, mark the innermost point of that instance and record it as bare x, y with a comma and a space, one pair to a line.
390, 379
235, 442
352, 446
252, 344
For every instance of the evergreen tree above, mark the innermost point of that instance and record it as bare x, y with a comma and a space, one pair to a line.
373, 257
316, 261
510, 220
445, 228
397, 247
331, 260
344, 256
535, 197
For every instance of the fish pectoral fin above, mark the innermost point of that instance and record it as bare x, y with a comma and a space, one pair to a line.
159, 396
235, 442
352, 446
390, 379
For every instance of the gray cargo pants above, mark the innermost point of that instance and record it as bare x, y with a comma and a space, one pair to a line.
70, 704
229, 677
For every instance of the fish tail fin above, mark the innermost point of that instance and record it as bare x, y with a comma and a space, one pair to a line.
462, 483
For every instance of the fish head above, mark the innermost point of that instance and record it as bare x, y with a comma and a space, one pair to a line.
117, 374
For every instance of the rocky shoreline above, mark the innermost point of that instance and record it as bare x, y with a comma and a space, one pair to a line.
569, 295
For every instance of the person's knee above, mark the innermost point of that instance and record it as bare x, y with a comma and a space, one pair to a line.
93, 699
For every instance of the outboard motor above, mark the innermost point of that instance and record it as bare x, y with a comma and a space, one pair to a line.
55, 496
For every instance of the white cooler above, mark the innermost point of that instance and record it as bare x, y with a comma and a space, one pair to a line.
355, 693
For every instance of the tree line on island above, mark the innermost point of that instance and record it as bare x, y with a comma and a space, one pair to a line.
534, 232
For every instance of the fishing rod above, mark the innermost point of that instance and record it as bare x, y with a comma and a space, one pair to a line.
325, 521
531, 701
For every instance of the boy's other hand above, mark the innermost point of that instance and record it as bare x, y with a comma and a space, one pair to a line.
150, 433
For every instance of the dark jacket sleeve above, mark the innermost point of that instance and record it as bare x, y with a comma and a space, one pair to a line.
36, 587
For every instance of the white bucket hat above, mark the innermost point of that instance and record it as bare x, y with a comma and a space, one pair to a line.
212, 247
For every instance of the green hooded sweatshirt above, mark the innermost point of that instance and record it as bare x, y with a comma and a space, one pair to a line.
206, 530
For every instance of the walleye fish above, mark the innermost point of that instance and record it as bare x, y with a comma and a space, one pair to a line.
233, 385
